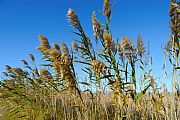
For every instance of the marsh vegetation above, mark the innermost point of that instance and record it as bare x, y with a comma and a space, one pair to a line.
118, 83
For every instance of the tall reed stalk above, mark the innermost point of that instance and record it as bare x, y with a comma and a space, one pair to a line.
117, 82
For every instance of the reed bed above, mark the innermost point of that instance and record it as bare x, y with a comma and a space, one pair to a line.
118, 83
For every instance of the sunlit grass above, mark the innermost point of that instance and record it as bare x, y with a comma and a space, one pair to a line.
118, 83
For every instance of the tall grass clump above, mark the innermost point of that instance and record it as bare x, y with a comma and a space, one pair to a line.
118, 83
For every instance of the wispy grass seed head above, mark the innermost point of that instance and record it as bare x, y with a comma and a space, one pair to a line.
56, 46
98, 67
107, 7
45, 73
74, 46
140, 46
18, 71
44, 41
96, 25
73, 18
24, 62
108, 41
55, 54
31, 57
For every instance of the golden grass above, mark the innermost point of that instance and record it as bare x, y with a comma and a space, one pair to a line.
111, 88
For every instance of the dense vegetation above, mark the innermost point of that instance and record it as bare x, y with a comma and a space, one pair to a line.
118, 83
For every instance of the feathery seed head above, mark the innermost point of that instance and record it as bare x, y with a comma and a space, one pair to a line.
140, 46
31, 57
75, 47
67, 77
108, 41
44, 41
73, 18
55, 54
169, 44
64, 54
45, 73
64, 46
107, 7
128, 47
42, 48
18, 71
96, 25
82, 50
127, 44
24, 62
174, 14
98, 67
56, 46
66, 59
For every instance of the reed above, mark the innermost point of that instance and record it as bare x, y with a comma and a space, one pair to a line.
117, 85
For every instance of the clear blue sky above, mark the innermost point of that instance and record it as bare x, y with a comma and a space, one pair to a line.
21, 21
